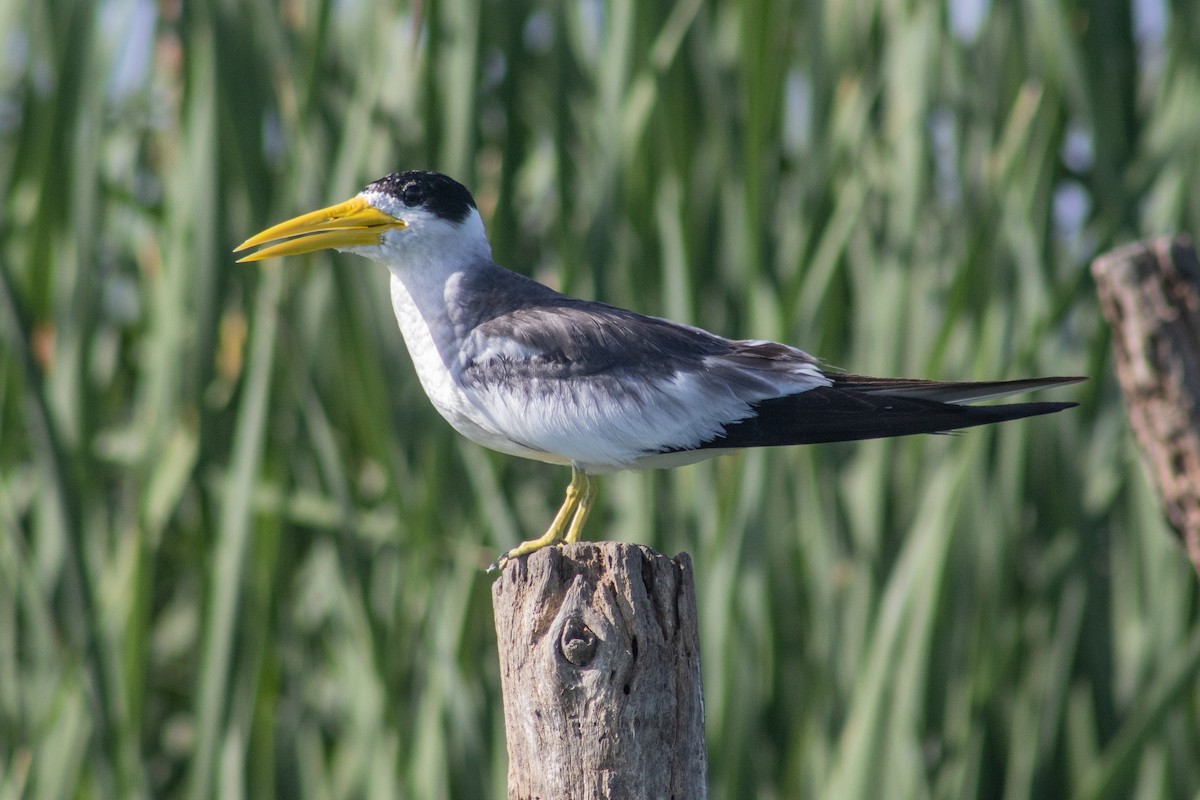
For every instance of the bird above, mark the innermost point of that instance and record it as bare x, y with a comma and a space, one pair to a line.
520, 368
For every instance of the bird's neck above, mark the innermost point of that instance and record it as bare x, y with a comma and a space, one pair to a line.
421, 297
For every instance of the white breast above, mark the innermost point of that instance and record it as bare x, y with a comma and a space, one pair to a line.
432, 344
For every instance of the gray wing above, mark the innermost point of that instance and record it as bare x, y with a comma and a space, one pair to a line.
603, 387
578, 340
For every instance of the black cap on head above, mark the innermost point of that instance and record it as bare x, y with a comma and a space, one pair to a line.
445, 197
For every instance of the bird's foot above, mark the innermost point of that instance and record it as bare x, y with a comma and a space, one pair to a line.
567, 524
525, 548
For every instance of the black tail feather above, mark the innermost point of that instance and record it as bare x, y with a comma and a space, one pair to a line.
857, 408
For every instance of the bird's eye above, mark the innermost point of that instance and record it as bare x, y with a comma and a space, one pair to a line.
412, 195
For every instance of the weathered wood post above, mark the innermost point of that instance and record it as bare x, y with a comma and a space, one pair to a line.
600, 667
1150, 294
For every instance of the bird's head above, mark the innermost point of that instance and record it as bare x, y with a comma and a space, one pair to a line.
404, 217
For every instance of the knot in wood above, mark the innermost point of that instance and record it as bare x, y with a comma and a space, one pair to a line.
577, 643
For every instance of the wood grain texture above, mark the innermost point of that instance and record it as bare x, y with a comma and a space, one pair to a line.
1150, 294
600, 666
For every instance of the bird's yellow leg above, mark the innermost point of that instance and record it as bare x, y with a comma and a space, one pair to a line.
581, 489
583, 507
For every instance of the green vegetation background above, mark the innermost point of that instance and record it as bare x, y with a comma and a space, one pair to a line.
240, 556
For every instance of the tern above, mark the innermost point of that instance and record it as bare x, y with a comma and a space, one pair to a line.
523, 369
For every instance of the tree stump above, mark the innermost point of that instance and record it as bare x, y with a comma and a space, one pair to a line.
600, 668
1150, 294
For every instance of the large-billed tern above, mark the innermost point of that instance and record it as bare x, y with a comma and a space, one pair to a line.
523, 369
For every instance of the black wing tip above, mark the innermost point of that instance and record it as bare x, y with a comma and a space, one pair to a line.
962, 393
1042, 382
826, 415
1007, 411
1063, 380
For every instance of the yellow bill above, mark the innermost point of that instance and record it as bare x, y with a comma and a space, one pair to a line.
354, 222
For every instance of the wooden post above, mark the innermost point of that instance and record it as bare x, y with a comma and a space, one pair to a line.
1150, 294
600, 667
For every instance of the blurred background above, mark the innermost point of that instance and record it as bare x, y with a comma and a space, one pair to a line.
241, 556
